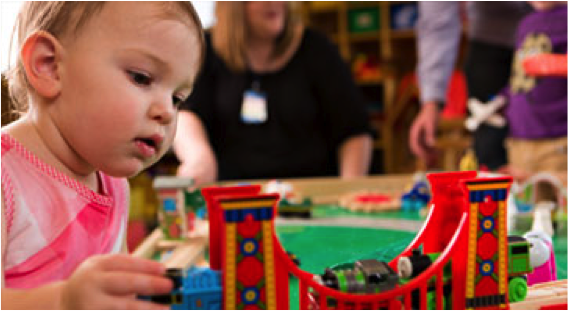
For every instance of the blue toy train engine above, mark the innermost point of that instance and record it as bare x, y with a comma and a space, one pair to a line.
194, 289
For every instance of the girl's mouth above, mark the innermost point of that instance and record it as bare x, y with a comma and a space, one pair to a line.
147, 146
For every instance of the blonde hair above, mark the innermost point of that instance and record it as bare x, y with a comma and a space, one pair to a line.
229, 35
60, 18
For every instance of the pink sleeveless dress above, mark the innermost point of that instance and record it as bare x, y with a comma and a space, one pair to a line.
54, 222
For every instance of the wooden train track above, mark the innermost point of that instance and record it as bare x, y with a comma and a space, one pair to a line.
544, 296
176, 254
370, 202
328, 190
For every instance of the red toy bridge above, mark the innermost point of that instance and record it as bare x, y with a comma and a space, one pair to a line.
466, 224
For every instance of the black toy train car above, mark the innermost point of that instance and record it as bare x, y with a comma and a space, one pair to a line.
363, 277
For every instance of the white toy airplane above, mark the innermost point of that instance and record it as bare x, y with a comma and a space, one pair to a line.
485, 113
542, 220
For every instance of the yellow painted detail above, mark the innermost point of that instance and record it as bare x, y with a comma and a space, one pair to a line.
247, 204
472, 249
488, 186
487, 224
270, 285
230, 266
250, 295
249, 247
503, 270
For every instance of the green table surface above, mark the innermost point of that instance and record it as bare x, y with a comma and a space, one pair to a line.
320, 246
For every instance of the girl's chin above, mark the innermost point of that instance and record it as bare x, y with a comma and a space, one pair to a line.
126, 171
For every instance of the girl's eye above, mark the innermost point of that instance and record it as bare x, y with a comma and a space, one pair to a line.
140, 78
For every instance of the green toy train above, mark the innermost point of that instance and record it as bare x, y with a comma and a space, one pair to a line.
518, 267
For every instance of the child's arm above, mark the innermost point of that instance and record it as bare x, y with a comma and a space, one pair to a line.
546, 65
45, 297
101, 282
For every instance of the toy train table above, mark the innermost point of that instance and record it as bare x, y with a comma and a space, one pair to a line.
340, 259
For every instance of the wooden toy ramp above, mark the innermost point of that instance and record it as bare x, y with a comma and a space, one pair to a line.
256, 267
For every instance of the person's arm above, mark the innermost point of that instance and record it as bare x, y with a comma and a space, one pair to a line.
101, 282
47, 297
193, 150
422, 136
355, 156
546, 65
438, 35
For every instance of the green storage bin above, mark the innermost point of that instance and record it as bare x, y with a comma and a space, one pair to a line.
363, 20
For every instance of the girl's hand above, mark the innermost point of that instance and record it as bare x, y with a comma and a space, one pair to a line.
113, 281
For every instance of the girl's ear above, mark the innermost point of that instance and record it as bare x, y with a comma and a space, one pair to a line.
41, 56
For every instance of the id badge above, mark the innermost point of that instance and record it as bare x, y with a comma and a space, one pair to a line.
253, 110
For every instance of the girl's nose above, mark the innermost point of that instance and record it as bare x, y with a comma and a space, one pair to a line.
163, 110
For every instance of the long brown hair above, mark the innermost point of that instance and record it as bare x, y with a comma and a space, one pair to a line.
229, 35
68, 17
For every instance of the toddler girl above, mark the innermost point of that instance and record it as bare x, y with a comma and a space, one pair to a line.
101, 83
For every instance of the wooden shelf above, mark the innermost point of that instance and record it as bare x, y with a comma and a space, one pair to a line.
362, 4
334, 37
378, 144
321, 7
402, 34
369, 82
380, 45
365, 36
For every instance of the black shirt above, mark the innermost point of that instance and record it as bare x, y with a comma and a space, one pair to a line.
312, 103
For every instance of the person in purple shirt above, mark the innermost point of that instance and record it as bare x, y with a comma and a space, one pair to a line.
537, 106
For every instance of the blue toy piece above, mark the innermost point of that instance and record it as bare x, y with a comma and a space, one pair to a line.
201, 213
194, 289
404, 16
523, 207
201, 290
417, 198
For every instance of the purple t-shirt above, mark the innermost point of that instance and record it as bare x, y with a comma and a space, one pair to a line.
537, 106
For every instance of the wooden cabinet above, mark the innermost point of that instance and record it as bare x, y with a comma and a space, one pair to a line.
380, 57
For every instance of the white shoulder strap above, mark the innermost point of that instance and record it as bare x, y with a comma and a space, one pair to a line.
3, 236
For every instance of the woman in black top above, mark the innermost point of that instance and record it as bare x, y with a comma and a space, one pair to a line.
273, 100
